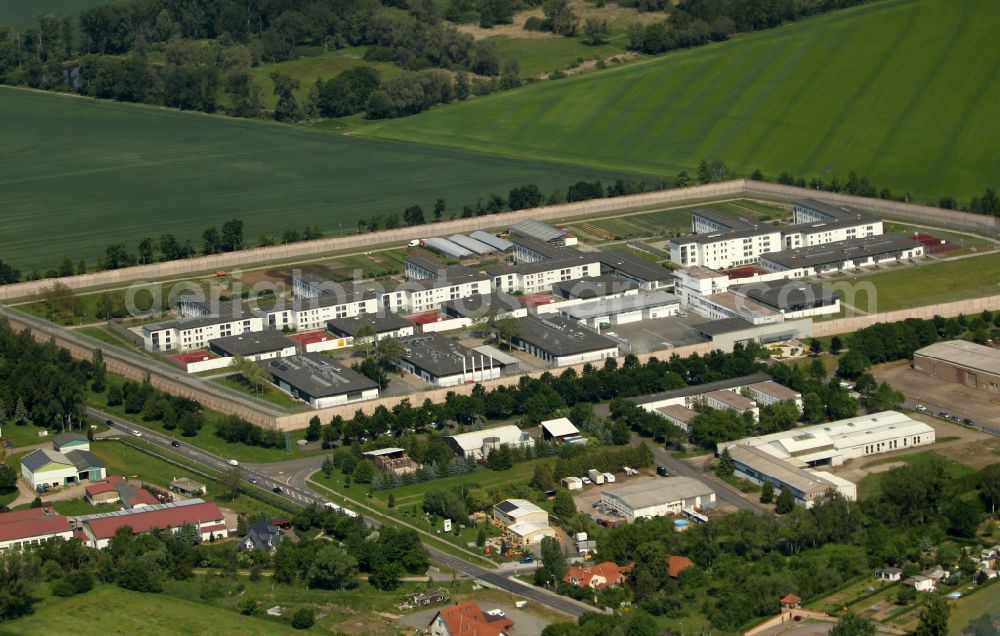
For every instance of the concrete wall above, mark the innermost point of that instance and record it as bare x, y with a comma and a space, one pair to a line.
947, 310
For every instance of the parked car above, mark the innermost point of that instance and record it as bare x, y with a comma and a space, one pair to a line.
921, 408
968, 422
954, 418
585, 480
943, 414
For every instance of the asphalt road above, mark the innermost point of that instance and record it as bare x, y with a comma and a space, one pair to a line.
291, 477
723, 491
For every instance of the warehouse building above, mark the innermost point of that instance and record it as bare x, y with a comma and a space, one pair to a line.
476, 247
258, 345
502, 245
444, 362
478, 444
843, 255
560, 342
621, 310
961, 362
532, 229
320, 381
806, 486
559, 429
53, 469
657, 498
726, 333
446, 247
385, 325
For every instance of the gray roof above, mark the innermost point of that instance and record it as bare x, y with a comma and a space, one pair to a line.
425, 260
383, 322
446, 247
42, 457
840, 251
966, 354
722, 326
576, 258
633, 267
788, 295
780, 470
316, 375
471, 244
658, 492
560, 337
545, 249
730, 221
252, 343
452, 275
699, 389
485, 237
536, 229
593, 287
723, 235
834, 212
441, 356
472, 306
620, 304
61, 439
83, 459
183, 324
333, 294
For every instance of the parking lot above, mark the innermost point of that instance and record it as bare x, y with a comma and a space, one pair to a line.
934, 394
662, 333
588, 496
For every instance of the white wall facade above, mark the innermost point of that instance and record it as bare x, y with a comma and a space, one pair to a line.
530, 283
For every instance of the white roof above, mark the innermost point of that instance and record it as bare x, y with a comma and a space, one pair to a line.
384, 451
496, 354
526, 528
472, 440
560, 427
658, 492
515, 508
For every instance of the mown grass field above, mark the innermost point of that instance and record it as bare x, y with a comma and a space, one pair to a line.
21, 13
903, 91
913, 286
971, 607
669, 222
78, 174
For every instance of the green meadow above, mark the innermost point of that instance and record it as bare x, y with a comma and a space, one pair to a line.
77, 174
903, 91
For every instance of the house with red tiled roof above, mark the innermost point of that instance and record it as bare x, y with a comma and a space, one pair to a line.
117, 489
32, 526
206, 518
466, 619
677, 564
598, 577
790, 601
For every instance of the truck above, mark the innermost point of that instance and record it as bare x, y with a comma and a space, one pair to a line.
609, 478
329, 505
596, 476
414, 243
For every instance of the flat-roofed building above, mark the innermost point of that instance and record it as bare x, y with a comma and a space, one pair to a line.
479, 444
385, 325
645, 274
256, 345
791, 298
622, 310
842, 255
444, 362
723, 399
390, 460
657, 498
603, 286
529, 278
480, 305
678, 415
961, 362
320, 381
689, 396
561, 342
759, 467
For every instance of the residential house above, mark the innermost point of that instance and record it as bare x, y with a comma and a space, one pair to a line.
262, 537
677, 564
598, 577
466, 619
889, 574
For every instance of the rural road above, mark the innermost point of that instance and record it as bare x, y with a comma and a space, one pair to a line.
291, 476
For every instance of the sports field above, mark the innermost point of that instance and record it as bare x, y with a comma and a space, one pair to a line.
903, 91
77, 174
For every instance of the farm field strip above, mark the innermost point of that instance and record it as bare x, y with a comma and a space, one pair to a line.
900, 91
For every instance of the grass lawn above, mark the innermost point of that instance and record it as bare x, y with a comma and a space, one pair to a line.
324, 66
269, 394
73, 507
913, 286
133, 463
971, 607
671, 221
21, 13
901, 91
965, 242
871, 485
110, 610
24, 435
206, 438
145, 171
543, 55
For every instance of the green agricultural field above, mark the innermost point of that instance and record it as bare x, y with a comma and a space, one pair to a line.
974, 605
21, 13
903, 91
324, 66
912, 286
537, 56
79, 174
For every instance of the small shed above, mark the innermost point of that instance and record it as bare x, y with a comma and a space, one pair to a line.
188, 487
889, 574
64, 442
790, 601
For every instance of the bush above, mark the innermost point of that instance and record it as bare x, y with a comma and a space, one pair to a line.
303, 618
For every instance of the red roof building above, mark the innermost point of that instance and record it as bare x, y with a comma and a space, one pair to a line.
204, 516
466, 619
790, 601
598, 577
677, 564
32, 526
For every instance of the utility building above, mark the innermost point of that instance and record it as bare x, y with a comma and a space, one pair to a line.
657, 498
961, 362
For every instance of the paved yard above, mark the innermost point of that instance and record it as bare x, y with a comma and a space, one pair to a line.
937, 395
